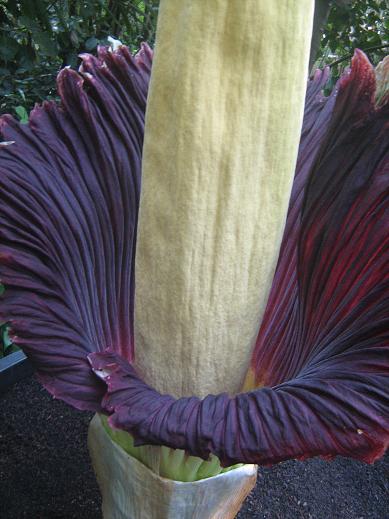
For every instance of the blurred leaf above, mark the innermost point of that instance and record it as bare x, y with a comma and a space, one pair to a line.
6, 340
21, 94
72, 60
46, 44
91, 43
8, 48
22, 114
30, 24
6, 345
74, 38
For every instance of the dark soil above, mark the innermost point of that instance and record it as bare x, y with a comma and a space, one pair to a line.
45, 471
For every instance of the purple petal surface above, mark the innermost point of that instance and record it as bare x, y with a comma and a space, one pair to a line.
69, 195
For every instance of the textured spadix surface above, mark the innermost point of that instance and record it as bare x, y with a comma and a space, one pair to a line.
223, 124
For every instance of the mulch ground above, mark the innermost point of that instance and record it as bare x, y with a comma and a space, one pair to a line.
45, 471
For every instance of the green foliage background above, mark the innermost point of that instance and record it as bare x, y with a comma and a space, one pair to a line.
38, 37
362, 24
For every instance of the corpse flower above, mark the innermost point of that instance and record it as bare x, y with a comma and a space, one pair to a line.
320, 361
180, 374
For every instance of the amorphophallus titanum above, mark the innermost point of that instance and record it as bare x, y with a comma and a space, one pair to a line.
223, 125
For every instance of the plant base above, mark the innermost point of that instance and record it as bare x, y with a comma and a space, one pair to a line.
130, 490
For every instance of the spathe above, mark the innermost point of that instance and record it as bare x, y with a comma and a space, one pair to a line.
332, 395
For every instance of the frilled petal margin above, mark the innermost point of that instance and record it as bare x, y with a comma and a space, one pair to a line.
69, 196
323, 349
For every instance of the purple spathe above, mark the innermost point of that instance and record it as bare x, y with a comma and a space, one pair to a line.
69, 196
